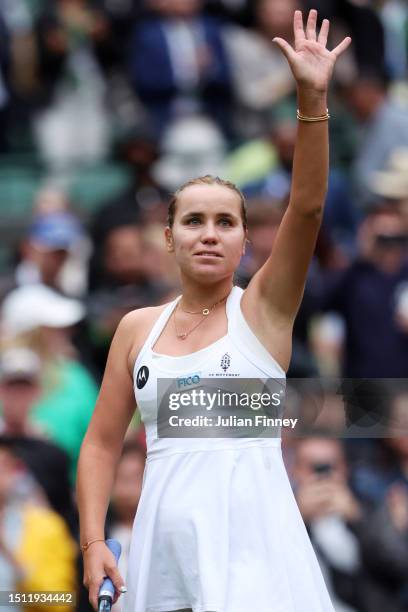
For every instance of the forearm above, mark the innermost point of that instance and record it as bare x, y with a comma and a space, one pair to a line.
96, 473
311, 158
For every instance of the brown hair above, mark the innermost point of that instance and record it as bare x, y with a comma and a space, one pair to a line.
208, 179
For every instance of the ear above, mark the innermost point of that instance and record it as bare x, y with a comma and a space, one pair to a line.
245, 242
169, 240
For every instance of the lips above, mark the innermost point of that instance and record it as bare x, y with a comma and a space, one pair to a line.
208, 254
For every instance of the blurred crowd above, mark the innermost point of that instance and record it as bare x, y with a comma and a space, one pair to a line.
106, 107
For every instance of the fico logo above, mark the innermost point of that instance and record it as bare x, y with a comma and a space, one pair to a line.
187, 381
142, 377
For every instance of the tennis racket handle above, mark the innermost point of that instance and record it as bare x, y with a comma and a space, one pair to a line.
107, 589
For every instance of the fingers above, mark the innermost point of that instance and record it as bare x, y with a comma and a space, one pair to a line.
118, 593
324, 32
94, 587
285, 48
311, 28
116, 578
298, 27
311, 25
342, 46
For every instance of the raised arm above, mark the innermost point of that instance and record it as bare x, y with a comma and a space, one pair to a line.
276, 290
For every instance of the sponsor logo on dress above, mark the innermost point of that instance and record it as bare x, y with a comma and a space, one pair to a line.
142, 376
187, 381
224, 365
225, 362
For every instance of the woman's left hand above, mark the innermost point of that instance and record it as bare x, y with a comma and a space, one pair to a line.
310, 61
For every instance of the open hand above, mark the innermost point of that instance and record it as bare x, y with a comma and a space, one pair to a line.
310, 61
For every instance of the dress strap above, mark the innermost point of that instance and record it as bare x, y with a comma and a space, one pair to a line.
232, 306
161, 322
158, 328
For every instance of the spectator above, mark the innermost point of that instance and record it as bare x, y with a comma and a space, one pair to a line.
49, 466
51, 241
193, 146
383, 127
178, 64
20, 388
369, 294
138, 149
41, 319
391, 184
70, 34
157, 263
37, 552
264, 217
394, 17
331, 513
340, 219
385, 529
122, 281
260, 73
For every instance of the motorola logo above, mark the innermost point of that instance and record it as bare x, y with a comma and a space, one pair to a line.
142, 377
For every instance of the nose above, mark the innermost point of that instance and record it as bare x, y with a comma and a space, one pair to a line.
209, 234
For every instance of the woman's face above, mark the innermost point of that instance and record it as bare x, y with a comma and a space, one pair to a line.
207, 237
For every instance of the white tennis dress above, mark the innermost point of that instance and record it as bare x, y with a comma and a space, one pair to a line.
217, 528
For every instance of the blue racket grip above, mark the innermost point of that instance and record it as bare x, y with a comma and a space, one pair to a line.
107, 589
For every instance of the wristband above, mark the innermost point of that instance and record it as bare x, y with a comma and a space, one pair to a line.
85, 546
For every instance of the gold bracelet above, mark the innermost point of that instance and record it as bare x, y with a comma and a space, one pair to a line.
312, 119
85, 546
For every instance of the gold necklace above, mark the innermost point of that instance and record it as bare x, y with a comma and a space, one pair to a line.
204, 312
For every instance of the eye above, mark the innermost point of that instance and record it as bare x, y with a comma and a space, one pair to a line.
193, 221
225, 221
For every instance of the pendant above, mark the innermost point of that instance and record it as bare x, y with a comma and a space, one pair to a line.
206, 312
182, 336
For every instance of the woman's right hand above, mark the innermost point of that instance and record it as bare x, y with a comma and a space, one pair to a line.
99, 562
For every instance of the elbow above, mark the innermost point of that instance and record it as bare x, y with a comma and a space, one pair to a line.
314, 213
310, 213
309, 204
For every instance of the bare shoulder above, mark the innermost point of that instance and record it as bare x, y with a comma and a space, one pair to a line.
135, 327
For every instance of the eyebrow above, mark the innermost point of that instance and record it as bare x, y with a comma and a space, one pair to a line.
201, 214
